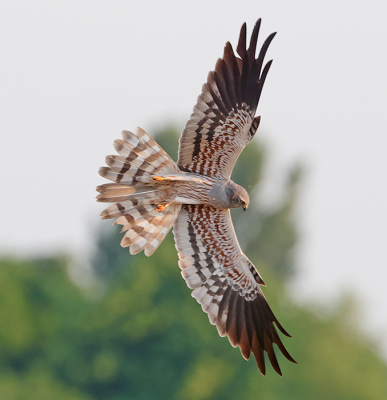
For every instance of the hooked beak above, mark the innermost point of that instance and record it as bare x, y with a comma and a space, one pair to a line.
245, 207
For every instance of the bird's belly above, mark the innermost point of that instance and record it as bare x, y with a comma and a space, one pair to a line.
186, 200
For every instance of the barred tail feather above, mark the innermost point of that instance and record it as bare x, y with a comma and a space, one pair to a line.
134, 193
142, 222
161, 230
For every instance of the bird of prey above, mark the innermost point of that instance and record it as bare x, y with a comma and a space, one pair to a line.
151, 193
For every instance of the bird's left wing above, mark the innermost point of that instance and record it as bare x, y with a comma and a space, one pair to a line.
226, 283
223, 122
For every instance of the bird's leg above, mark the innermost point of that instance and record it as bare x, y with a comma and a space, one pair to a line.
160, 207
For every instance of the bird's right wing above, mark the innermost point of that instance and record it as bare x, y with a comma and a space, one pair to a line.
223, 122
226, 283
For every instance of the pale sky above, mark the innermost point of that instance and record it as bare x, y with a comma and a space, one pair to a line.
74, 74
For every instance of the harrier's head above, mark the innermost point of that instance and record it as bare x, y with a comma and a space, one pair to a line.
238, 196
228, 195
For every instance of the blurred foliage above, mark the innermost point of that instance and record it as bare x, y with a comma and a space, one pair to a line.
138, 334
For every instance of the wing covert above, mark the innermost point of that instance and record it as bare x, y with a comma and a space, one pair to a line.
226, 283
223, 122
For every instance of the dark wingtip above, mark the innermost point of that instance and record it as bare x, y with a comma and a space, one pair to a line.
253, 41
281, 328
241, 48
273, 360
265, 72
270, 38
227, 50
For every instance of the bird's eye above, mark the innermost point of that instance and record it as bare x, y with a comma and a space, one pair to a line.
243, 203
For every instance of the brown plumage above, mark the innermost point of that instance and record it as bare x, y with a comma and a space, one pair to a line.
151, 194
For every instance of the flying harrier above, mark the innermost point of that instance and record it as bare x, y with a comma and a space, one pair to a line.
151, 193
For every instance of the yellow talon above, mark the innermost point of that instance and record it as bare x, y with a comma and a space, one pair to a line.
158, 178
160, 207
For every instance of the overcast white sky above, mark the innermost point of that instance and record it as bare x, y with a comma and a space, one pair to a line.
73, 74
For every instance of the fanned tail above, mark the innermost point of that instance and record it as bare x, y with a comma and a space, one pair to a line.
135, 193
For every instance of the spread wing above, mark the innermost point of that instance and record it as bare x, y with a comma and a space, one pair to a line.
226, 283
223, 120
